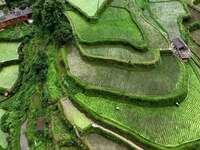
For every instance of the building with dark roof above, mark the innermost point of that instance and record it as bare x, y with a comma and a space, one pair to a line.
16, 16
181, 49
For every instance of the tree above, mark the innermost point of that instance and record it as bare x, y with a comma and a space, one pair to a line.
63, 33
8, 4
48, 14
40, 66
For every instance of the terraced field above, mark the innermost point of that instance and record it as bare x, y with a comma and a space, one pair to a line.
74, 116
164, 79
167, 14
110, 82
8, 51
89, 7
3, 142
196, 36
98, 142
156, 38
159, 125
114, 25
121, 53
8, 76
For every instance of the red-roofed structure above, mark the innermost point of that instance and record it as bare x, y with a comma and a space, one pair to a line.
16, 16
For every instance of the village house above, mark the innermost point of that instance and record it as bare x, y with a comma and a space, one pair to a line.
180, 48
16, 16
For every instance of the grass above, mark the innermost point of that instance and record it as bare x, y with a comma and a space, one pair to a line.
89, 7
74, 116
120, 52
98, 142
161, 80
3, 142
8, 76
113, 25
16, 32
52, 81
8, 51
167, 14
59, 129
196, 35
168, 126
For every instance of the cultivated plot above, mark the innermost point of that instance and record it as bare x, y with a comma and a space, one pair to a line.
121, 53
89, 7
114, 25
156, 38
167, 126
8, 76
164, 79
196, 35
8, 51
98, 142
3, 136
74, 116
167, 14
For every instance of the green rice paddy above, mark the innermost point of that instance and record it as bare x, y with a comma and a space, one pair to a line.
98, 142
3, 136
113, 25
122, 53
8, 76
89, 7
74, 116
167, 13
196, 36
164, 79
8, 51
167, 126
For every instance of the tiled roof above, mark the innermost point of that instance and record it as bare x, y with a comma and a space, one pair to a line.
15, 14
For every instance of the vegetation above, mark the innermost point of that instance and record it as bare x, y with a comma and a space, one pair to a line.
9, 76
99, 142
16, 33
155, 38
8, 51
164, 79
165, 14
121, 53
122, 31
150, 123
89, 7
196, 35
74, 116
3, 135
119, 76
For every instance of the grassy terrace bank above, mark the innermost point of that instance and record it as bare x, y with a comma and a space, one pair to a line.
164, 79
3, 136
158, 125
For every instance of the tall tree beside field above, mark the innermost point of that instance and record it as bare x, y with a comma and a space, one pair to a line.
49, 17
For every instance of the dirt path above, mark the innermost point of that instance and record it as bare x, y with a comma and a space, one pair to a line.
23, 139
117, 135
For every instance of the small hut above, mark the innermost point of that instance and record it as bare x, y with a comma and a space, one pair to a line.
180, 48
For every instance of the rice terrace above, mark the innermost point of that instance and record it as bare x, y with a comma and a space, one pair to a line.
99, 74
